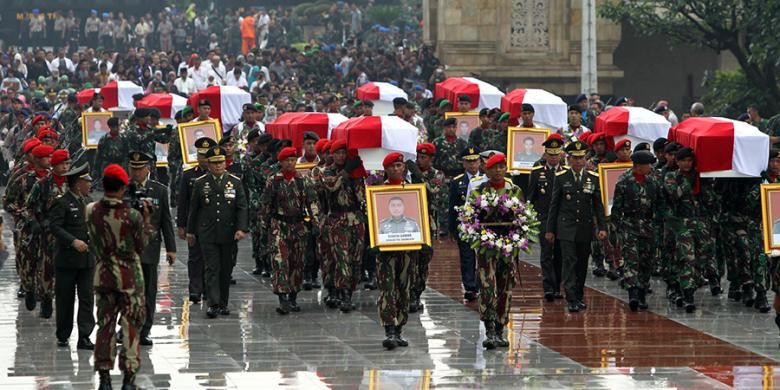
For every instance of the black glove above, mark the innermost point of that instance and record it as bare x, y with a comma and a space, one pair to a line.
352, 164
414, 170
426, 249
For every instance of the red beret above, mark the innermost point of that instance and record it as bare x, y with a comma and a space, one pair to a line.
585, 137
594, 137
28, 145
623, 143
43, 150
320, 145
39, 118
59, 156
555, 136
496, 159
117, 172
392, 158
426, 148
47, 132
287, 153
338, 144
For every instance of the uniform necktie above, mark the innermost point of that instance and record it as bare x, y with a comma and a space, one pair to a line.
577, 178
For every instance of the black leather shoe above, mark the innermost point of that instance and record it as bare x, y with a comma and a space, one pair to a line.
642, 299
346, 305
370, 285
612, 275
212, 312
85, 343
195, 298
490, 335
315, 283
549, 297
599, 272
224, 311
46, 308
332, 300
762, 304
413, 306
62, 342
748, 296
715, 290
293, 300
29, 300
734, 292
20, 293
146, 341
690, 306
284, 305
105, 380
307, 285
129, 386
582, 305
633, 299
257, 271
470, 296
574, 307
501, 341
266, 274
558, 295
232, 280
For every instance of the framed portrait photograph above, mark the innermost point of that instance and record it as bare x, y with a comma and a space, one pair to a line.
190, 132
609, 173
161, 152
94, 125
466, 121
770, 215
524, 147
398, 217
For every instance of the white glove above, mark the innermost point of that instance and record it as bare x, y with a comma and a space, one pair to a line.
775, 253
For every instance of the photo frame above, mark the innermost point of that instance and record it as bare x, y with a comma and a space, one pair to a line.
609, 173
524, 147
161, 154
770, 216
94, 125
398, 217
466, 121
190, 132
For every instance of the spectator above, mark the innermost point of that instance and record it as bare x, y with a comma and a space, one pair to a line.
184, 85
697, 109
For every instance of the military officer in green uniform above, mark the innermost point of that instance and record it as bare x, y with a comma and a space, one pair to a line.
218, 217
144, 188
575, 205
457, 198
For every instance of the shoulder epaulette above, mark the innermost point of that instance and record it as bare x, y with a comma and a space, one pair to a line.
565, 167
458, 177
233, 176
508, 180
561, 172
476, 178
201, 177
537, 167
190, 168
157, 183
594, 173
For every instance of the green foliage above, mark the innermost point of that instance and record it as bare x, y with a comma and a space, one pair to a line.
730, 93
385, 15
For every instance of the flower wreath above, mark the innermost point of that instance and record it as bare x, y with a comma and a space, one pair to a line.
498, 225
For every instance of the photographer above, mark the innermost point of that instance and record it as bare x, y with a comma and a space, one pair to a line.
118, 235
141, 189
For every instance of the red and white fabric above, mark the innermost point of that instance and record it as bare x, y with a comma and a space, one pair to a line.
482, 94
635, 123
292, 125
168, 104
724, 147
549, 109
376, 136
377, 90
115, 94
227, 103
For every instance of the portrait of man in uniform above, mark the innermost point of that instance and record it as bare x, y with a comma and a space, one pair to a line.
161, 152
525, 147
94, 125
397, 216
191, 132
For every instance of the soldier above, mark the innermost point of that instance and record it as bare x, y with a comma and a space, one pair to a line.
204, 110
256, 155
38, 206
540, 191
194, 254
447, 160
251, 122
311, 260
74, 263
345, 194
69, 125
310, 138
395, 269
175, 160
118, 234
457, 198
527, 113
324, 242
217, 219
635, 217
112, 148
575, 205
575, 129
475, 135
496, 274
235, 168
495, 139
142, 138
142, 188
599, 153
288, 201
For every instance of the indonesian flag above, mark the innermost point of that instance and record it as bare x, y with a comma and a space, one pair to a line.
549, 109
168, 104
227, 103
380, 91
482, 94
724, 147
376, 136
116, 94
638, 124
292, 125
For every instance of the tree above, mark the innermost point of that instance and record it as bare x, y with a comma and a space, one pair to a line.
748, 29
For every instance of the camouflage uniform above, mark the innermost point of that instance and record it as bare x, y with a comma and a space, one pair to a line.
323, 249
43, 195
493, 139
118, 236
110, 150
144, 139
448, 161
764, 267
251, 165
13, 204
747, 260
437, 210
70, 129
175, 164
262, 173
29, 242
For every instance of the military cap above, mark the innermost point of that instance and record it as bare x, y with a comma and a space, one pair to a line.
553, 145
141, 113
426, 148
154, 113
503, 117
186, 110
216, 155
574, 108
310, 135
684, 153
357, 104
97, 96
623, 143
596, 137
252, 135
643, 157
115, 171
72, 98
484, 112
577, 148
226, 140
30, 144
204, 102
661, 109
580, 98
204, 144
471, 153
774, 153
392, 158
60, 156
264, 139
368, 103
660, 143
449, 122
621, 100
139, 159
527, 108
42, 150
80, 172
672, 147
642, 146
320, 145
464, 98
444, 103
249, 107
113, 121
25, 112
39, 117
488, 153
497, 158
399, 101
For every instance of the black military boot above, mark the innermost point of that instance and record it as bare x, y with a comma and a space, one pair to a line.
284, 304
642, 301
402, 342
413, 302
371, 283
690, 306
748, 297
307, 282
20, 293
346, 305
762, 304
613, 274
633, 298
128, 381
332, 300
294, 302
390, 341
490, 335
46, 308
105, 380
734, 292
714, 282
599, 271
315, 281
29, 300
501, 341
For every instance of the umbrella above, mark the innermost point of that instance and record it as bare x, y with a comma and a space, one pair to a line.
292, 125
635, 123
376, 136
724, 147
116, 94
482, 94
549, 109
227, 103
168, 104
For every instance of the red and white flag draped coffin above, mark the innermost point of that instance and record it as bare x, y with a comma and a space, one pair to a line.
376, 136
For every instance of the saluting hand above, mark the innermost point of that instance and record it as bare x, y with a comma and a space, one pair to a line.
239, 235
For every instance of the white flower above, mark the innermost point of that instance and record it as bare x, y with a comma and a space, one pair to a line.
525, 228
484, 237
515, 236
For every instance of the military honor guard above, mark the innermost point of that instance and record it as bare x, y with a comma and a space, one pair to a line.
457, 198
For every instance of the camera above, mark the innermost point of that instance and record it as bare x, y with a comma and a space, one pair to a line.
136, 197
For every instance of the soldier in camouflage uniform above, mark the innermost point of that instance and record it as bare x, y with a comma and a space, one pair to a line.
118, 234
257, 145
770, 261
635, 216
175, 161
665, 238
495, 139
745, 260
288, 201
394, 270
70, 127
324, 249
447, 160
345, 194
435, 122
265, 170
112, 148
141, 137
496, 273
39, 202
